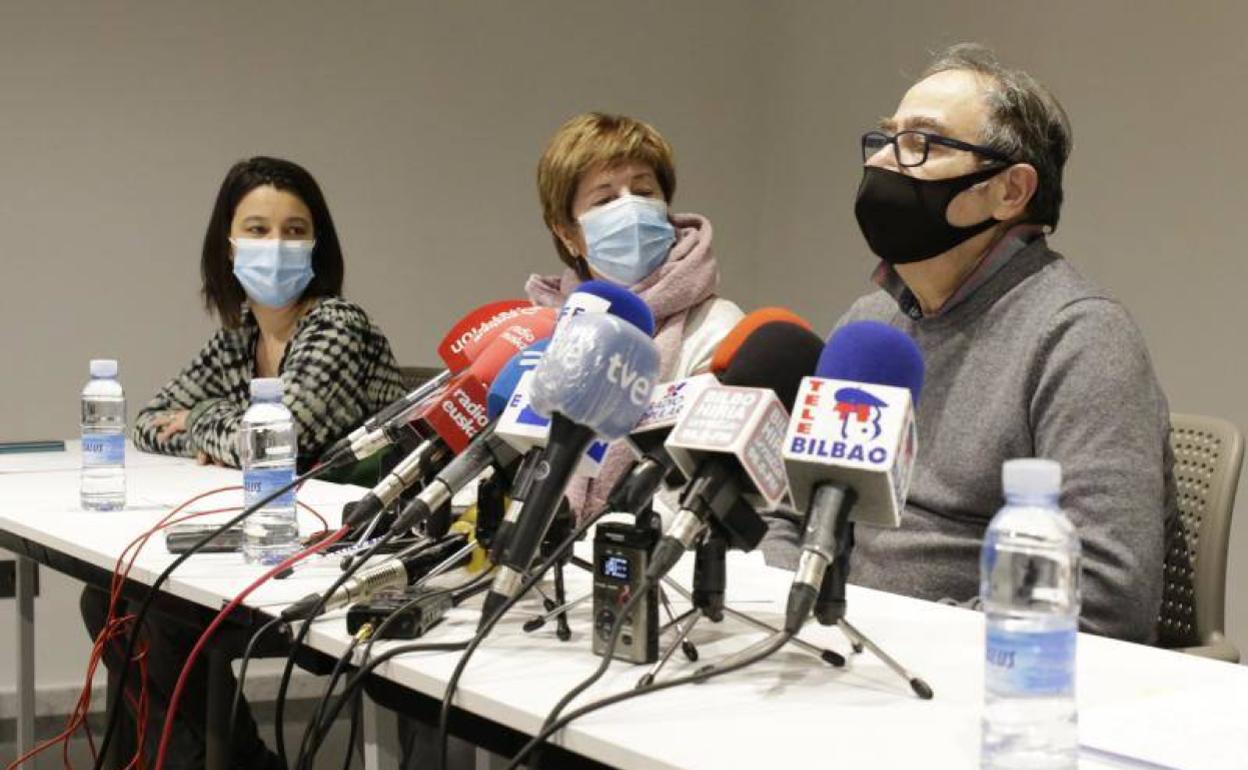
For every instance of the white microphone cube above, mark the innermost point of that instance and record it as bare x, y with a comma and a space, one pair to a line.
857, 434
523, 428
746, 423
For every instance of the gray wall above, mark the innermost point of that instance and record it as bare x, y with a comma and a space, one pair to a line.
424, 123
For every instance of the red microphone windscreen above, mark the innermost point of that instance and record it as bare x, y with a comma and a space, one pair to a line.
478, 325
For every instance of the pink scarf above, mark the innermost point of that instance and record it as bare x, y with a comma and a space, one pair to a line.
687, 279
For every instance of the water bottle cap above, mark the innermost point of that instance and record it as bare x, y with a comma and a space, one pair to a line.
266, 388
103, 367
1031, 477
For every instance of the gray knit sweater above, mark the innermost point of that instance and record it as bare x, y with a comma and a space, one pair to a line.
1036, 362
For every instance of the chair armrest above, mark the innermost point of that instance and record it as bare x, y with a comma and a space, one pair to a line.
1217, 647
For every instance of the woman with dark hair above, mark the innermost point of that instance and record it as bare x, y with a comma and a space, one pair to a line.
272, 273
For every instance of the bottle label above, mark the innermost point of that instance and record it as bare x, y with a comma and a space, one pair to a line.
103, 449
259, 483
1030, 662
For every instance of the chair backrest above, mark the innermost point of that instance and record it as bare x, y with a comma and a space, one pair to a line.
1208, 453
415, 376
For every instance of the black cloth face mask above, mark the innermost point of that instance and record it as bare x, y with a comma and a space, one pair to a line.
903, 218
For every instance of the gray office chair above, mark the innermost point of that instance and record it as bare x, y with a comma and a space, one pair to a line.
1208, 453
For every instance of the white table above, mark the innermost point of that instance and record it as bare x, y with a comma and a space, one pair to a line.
1134, 701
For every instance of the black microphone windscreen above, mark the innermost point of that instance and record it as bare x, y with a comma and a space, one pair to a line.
776, 356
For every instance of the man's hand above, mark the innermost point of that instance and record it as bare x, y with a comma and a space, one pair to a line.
170, 424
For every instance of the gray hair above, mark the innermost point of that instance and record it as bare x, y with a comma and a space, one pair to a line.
1025, 122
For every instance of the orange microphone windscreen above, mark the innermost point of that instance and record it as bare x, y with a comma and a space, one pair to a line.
745, 327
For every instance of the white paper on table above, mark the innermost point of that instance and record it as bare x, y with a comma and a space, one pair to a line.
1197, 727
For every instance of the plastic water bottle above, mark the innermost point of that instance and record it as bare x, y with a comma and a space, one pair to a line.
1029, 584
268, 452
103, 484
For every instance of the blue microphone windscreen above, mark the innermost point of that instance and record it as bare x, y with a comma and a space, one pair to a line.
607, 297
873, 352
598, 372
509, 376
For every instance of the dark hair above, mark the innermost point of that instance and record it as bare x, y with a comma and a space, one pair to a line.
1025, 121
223, 294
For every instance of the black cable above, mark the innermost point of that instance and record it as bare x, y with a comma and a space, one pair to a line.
339, 666
309, 745
701, 675
365, 670
242, 678
345, 658
608, 655
115, 706
490, 622
279, 706
354, 733
459, 593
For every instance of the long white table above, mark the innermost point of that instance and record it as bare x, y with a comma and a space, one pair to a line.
1138, 706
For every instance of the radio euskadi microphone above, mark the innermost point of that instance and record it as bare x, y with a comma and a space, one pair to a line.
594, 380
447, 424
487, 450
728, 443
849, 451
515, 321
655, 469
528, 431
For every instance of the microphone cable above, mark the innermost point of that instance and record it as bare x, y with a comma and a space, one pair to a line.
325, 715
533, 579
701, 675
114, 707
370, 633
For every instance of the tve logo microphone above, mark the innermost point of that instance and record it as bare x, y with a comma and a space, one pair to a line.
866, 430
523, 428
630, 380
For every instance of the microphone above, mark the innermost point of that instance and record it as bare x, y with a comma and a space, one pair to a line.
728, 442
449, 423
595, 379
527, 430
392, 573
849, 453
487, 450
635, 491
514, 322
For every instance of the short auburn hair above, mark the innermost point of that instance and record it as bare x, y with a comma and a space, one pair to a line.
589, 141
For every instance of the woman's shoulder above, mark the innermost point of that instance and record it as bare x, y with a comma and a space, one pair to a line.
713, 314
338, 312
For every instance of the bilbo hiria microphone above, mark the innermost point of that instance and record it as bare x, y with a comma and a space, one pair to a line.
728, 442
594, 380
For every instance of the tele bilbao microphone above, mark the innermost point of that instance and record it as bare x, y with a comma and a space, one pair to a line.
487, 450
849, 452
728, 443
516, 321
594, 380
449, 423
527, 430
634, 492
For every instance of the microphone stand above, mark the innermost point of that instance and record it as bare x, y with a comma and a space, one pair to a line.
830, 606
710, 575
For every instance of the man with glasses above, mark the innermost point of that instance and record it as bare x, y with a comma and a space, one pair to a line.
1024, 357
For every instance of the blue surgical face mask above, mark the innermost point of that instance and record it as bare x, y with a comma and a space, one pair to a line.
628, 238
273, 272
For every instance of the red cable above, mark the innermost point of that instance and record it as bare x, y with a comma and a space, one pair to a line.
172, 709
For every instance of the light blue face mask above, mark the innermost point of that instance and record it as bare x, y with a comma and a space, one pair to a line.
628, 238
273, 272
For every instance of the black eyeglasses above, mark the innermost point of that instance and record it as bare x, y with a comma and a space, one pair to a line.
911, 147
